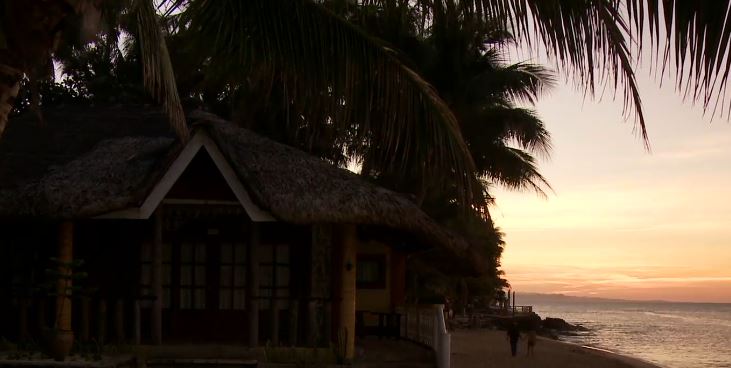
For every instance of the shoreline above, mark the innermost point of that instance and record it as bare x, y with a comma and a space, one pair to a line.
626, 358
480, 348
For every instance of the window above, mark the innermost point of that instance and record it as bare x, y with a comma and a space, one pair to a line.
232, 290
371, 271
274, 273
193, 276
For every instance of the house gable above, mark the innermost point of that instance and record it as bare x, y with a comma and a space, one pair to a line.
178, 176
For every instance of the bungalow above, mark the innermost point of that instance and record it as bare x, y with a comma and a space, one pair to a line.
227, 237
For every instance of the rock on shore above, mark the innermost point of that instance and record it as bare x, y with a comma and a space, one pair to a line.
560, 325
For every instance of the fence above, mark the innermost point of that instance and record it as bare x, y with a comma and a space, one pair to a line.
425, 324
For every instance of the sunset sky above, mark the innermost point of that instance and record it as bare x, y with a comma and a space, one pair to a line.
623, 222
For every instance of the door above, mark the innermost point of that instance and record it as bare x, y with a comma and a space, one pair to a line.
208, 285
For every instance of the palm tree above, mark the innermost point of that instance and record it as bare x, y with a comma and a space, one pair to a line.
464, 61
339, 69
325, 61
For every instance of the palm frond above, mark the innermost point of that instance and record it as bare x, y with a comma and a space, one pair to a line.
159, 76
505, 124
333, 66
697, 39
511, 168
521, 82
586, 38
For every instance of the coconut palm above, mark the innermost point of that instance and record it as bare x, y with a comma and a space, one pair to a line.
464, 61
326, 62
339, 69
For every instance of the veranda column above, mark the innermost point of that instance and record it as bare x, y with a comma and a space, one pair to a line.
64, 284
156, 279
252, 285
348, 243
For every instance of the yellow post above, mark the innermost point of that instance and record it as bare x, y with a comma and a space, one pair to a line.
63, 287
349, 248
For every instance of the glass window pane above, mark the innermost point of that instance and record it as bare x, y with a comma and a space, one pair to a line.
240, 253
239, 299
200, 253
145, 277
224, 299
226, 253
264, 301
225, 276
265, 275
239, 276
200, 275
199, 300
185, 275
186, 253
185, 298
264, 252
145, 252
167, 272
166, 297
167, 251
282, 276
282, 253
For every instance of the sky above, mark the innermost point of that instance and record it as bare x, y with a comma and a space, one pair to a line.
623, 222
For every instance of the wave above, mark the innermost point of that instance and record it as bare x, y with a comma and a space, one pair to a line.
704, 320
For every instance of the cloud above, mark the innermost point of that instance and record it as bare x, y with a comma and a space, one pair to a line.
687, 284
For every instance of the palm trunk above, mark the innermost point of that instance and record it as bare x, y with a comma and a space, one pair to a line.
9, 86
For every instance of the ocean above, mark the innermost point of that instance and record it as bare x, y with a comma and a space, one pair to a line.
672, 335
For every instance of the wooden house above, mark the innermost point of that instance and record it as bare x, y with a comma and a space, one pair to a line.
228, 237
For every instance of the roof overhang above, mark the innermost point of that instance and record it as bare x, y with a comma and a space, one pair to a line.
201, 140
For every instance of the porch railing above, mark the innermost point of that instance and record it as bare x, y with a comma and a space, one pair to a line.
425, 324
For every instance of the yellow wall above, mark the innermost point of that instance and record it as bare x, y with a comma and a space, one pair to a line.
375, 300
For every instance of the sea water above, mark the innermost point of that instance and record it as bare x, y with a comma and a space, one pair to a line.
672, 335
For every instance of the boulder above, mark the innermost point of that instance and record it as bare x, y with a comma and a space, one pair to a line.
560, 325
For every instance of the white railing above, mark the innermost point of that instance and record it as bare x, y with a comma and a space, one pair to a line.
425, 324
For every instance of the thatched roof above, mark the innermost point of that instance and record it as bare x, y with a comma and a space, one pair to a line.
89, 161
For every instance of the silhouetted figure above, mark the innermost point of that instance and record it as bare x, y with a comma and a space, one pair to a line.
513, 337
530, 341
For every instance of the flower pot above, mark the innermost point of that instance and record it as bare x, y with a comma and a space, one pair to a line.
58, 343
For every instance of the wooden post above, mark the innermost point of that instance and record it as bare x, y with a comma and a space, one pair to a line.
274, 301
119, 320
63, 287
24, 332
41, 315
294, 307
156, 280
346, 315
137, 322
274, 323
327, 321
101, 325
85, 318
252, 285
313, 330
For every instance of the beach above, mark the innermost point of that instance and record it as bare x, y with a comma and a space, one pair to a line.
481, 348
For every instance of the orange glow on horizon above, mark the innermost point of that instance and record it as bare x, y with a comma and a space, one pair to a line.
622, 222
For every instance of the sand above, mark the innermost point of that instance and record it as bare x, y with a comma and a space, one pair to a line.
479, 348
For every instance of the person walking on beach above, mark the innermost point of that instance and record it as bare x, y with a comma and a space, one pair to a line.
530, 343
513, 336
